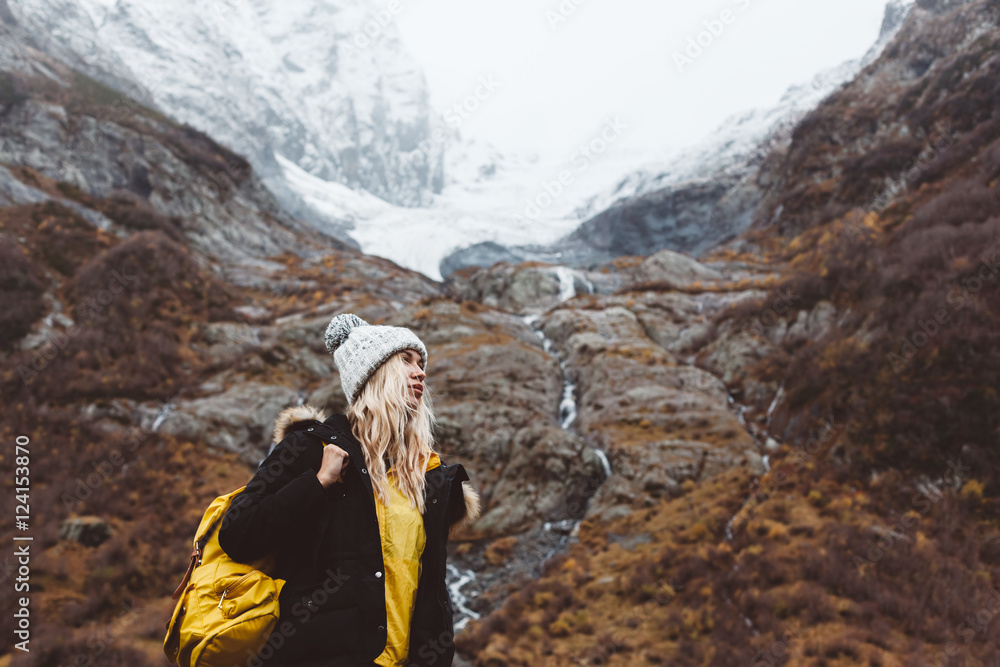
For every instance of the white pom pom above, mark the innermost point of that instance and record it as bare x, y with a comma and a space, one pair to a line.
340, 328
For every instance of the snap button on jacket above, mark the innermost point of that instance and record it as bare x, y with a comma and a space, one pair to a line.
329, 550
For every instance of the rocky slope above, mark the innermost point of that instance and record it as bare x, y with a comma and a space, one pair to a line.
97, 143
341, 99
898, 171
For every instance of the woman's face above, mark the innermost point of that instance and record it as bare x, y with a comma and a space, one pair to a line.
415, 375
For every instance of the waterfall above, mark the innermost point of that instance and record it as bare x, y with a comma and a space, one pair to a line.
162, 415
567, 406
759, 436
567, 283
604, 462
562, 526
567, 409
729, 524
774, 403
457, 579
567, 286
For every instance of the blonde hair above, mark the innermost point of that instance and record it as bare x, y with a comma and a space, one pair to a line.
386, 424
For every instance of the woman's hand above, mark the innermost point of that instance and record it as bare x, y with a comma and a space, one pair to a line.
335, 460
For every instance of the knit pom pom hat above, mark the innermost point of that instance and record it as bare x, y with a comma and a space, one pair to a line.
359, 348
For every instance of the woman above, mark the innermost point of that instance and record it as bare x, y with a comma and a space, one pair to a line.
357, 509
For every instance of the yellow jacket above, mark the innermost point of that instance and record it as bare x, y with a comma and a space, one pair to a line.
402, 531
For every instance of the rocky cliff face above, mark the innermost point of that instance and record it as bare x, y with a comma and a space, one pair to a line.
340, 99
882, 135
96, 143
886, 204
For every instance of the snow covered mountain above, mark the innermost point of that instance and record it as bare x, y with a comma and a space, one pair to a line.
325, 103
324, 86
695, 199
334, 116
747, 137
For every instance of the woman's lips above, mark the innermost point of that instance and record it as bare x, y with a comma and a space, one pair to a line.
418, 389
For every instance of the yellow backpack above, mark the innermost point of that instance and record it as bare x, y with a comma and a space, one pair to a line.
225, 609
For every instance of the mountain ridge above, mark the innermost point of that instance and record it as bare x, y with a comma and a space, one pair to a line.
357, 120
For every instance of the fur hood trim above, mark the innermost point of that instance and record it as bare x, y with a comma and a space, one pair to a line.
298, 413
472, 506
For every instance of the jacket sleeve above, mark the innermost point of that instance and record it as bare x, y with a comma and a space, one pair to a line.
279, 501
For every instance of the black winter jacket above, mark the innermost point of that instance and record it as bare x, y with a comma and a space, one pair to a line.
332, 607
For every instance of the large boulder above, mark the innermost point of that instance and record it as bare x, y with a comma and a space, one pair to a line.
90, 531
240, 419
